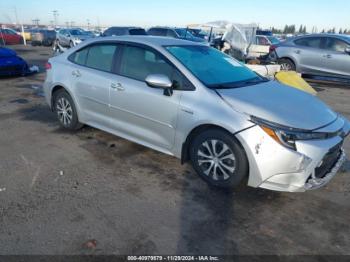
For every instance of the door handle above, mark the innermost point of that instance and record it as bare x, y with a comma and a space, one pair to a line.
327, 56
297, 52
117, 86
76, 73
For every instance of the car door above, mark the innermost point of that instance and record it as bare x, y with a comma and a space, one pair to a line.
12, 37
308, 52
91, 78
138, 111
335, 58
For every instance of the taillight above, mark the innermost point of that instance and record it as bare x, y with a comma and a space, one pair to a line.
48, 66
272, 48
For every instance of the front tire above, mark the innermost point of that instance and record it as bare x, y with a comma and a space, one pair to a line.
66, 111
218, 158
287, 64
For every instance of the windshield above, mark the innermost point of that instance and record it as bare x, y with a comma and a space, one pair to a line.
273, 40
184, 33
214, 68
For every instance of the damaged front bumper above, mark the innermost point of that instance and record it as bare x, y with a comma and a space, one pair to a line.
315, 183
274, 167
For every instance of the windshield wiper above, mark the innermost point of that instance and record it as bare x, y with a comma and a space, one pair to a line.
249, 82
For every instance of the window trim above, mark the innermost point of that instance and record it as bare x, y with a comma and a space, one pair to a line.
114, 59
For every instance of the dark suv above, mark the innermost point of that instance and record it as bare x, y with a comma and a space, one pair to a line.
181, 33
117, 31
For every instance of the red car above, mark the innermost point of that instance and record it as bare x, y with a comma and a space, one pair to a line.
10, 37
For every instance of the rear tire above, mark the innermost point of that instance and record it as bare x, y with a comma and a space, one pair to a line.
219, 159
287, 64
66, 111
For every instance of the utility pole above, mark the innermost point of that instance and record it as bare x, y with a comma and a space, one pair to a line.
55, 15
15, 10
88, 24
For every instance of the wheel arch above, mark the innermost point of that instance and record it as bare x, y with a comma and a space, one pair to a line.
290, 59
196, 131
57, 87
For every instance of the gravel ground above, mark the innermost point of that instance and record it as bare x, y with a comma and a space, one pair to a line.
89, 192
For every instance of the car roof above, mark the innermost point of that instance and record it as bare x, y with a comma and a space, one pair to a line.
344, 37
148, 40
124, 27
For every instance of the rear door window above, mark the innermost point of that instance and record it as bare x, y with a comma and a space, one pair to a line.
101, 57
313, 42
79, 57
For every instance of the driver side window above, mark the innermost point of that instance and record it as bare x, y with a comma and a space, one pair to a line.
336, 45
138, 63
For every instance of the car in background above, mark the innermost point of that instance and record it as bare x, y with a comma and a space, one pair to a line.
180, 33
199, 33
43, 37
124, 30
198, 104
71, 37
10, 37
262, 46
11, 64
315, 54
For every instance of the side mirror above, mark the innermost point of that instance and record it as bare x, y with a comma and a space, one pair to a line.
347, 50
160, 81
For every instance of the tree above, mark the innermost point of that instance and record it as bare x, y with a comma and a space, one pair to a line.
323, 31
304, 30
340, 31
300, 29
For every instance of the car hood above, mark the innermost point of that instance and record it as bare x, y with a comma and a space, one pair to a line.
5, 52
280, 104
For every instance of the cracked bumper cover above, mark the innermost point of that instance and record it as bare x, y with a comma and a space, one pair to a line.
315, 183
274, 167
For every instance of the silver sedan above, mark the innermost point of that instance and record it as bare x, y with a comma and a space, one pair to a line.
319, 54
193, 102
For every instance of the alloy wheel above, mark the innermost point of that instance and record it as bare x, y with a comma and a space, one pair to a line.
64, 111
216, 160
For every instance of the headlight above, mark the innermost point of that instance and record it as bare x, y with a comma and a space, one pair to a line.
287, 136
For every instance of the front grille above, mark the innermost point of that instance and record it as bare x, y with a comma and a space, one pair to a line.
329, 161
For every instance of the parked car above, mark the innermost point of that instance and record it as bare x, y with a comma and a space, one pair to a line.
124, 30
10, 37
71, 37
194, 102
43, 37
11, 64
316, 54
180, 33
199, 33
262, 46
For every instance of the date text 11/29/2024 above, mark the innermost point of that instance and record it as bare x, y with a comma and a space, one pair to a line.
173, 258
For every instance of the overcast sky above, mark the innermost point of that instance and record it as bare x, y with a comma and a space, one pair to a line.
277, 13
